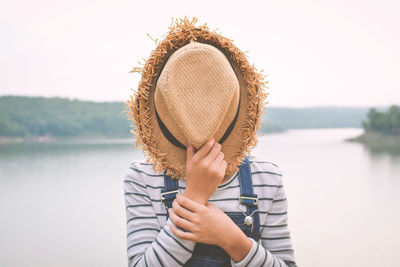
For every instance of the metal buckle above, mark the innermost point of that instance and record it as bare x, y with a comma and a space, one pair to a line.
252, 198
168, 192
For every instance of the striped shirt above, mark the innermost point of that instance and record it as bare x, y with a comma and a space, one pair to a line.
150, 241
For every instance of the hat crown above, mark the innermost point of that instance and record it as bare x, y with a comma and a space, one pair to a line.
198, 86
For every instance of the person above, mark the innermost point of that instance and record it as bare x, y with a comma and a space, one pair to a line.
205, 200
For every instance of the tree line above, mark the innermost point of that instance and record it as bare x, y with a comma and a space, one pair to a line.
23, 116
386, 122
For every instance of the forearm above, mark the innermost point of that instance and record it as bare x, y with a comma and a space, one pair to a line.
276, 248
244, 251
259, 256
236, 244
148, 242
166, 250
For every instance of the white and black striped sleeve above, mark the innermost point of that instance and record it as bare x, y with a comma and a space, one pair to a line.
276, 248
147, 243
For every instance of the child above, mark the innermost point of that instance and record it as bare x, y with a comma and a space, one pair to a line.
205, 200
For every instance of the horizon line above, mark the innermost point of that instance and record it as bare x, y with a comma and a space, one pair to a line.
267, 106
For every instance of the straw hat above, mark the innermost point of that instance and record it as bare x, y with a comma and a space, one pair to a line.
196, 85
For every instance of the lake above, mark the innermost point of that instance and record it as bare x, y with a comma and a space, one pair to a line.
62, 204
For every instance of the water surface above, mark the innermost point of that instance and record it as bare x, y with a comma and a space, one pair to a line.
63, 204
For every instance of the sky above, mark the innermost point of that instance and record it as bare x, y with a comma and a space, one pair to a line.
314, 53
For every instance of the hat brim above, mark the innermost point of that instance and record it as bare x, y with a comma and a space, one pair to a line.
243, 137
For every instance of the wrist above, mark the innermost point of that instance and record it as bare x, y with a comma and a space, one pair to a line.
236, 244
195, 196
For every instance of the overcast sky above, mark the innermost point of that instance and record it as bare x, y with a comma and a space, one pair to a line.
315, 53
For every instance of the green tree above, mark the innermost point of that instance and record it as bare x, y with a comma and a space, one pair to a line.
385, 122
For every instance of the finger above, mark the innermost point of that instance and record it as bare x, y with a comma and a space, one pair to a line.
216, 148
223, 167
181, 211
189, 204
189, 153
210, 205
219, 168
203, 151
178, 221
217, 163
223, 164
182, 234
218, 159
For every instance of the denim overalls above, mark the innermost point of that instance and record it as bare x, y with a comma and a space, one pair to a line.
211, 255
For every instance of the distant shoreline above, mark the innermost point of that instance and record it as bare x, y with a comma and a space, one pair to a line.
378, 140
4, 140
38, 119
55, 139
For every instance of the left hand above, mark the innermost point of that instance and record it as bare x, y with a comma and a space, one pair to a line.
208, 224
205, 223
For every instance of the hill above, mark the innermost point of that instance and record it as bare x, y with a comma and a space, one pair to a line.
38, 116
315, 117
26, 117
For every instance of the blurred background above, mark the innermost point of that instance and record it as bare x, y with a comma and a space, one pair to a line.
332, 123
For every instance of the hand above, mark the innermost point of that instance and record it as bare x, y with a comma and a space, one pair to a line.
208, 224
205, 170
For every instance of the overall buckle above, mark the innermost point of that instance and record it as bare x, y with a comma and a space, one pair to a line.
167, 193
255, 199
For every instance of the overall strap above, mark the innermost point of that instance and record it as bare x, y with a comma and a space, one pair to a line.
171, 188
247, 196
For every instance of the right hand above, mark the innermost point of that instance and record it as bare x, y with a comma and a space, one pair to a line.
205, 170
